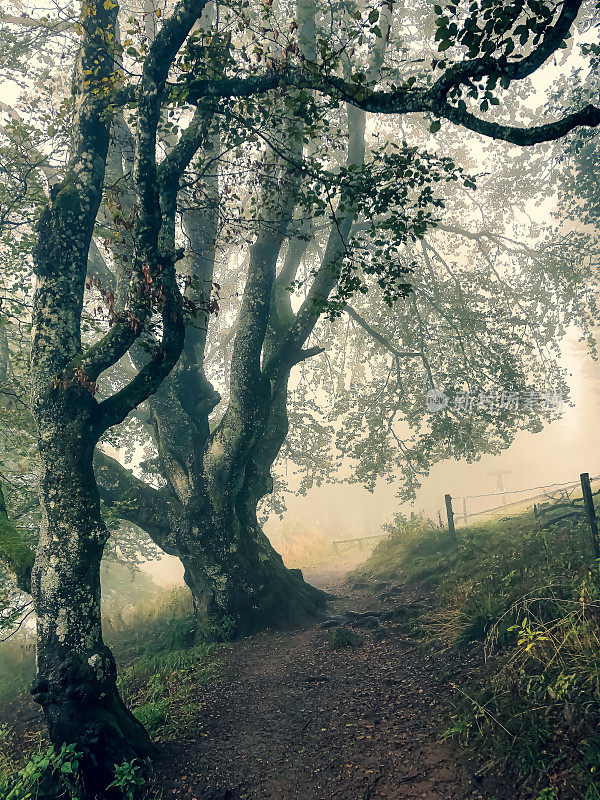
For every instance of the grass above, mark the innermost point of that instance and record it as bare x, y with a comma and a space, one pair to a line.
532, 598
301, 547
161, 690
160, 662
7, 764
154, 626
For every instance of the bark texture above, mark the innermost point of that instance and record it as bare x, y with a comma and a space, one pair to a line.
206, 514
76, 673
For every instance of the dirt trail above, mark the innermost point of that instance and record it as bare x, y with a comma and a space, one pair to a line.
290, 718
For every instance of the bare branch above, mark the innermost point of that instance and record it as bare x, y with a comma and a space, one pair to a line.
379, 337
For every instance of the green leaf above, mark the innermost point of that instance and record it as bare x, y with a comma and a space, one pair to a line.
435, 126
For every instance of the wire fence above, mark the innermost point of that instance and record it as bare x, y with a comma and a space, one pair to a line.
462, 515
543, 492
519, 491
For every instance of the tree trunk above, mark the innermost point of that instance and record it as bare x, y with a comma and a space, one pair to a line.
231, 568
236, 577
76, 677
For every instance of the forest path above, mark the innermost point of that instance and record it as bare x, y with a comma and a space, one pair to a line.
290, 718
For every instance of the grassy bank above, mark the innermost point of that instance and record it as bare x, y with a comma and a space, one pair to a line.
532, 598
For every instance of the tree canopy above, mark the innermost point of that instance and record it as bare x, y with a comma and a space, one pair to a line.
205, 206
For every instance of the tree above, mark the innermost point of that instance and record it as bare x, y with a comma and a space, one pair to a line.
187, 515
231, 468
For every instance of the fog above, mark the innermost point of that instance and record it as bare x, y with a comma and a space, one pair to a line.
557, 454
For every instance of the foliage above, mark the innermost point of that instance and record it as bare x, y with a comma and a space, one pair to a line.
129, 777
52, 772
533, 599
158, 671
396, 196
200, 78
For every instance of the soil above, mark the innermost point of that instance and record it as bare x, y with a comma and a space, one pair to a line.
291, 718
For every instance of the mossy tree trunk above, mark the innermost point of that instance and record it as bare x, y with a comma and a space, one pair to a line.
76, 674
233, 572
206, 514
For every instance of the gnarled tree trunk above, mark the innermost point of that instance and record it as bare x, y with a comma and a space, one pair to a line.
206, 513
76, 674
215, 480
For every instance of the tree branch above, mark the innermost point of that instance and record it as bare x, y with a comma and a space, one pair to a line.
587, 117
478, 68
152, 264
431, 99
133, 500
378, 336
41, 24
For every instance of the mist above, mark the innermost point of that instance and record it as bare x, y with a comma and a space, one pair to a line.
299, 473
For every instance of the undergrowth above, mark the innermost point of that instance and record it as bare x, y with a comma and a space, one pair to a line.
532, 598
161, 663
160, 689
302, 547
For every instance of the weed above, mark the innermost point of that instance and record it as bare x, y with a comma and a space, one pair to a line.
50, 770
461, 729
221, 629
301, 547
153, 715
129, 778
549, 793
343, 637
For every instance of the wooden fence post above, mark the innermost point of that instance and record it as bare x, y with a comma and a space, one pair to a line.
450, 515
465, 510
440, 519
590, 512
